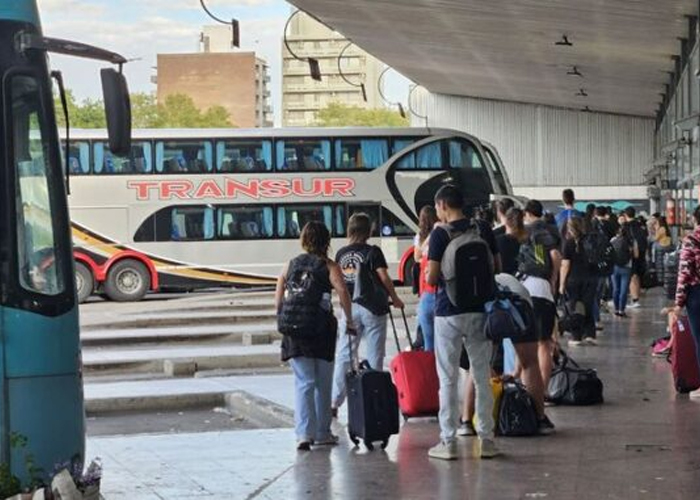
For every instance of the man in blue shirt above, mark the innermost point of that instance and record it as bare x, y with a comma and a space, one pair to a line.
569, 211
455, 326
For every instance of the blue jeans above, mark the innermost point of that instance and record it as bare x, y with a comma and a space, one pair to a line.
426, 319
692, 307
621, 285
312, 398
371, 329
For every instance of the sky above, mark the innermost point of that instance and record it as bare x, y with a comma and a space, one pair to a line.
140, 29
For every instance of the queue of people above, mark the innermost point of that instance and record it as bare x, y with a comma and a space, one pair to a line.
564, 260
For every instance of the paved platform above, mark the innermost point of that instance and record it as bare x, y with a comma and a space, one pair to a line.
641, 444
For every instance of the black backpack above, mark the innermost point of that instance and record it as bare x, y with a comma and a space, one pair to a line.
369, 291
623, 252
517, 415
534, 258
599, 253
304, 304
468, 269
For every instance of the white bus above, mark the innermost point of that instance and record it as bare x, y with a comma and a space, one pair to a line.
197, 208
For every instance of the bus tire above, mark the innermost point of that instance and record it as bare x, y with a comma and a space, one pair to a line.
84, 282
127, 281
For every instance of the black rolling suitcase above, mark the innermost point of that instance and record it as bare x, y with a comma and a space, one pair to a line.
373, 406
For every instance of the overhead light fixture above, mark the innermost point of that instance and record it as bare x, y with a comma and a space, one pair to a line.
574, 72
314, 67
587, 110
235, 27
402, 111
342, 75
413, 111
582, 93
564, 42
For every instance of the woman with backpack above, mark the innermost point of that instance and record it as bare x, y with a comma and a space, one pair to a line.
309, 328
426, 305
688, 289
577, 283
626, 250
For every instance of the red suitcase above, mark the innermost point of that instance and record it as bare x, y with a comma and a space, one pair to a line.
415, 377
683, 358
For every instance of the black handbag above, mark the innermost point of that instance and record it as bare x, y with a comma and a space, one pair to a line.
572, 385
517, 415
572, 321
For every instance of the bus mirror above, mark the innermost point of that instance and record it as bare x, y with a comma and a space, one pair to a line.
117, 111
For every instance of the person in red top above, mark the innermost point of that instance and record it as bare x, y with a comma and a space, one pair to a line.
426, 306
688, 290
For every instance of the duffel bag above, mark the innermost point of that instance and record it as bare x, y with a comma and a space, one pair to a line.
517, 415
572, 385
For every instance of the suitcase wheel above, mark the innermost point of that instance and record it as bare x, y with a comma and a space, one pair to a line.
354, 439
405, 417
369, 445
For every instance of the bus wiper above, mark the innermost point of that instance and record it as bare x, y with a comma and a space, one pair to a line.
30, 41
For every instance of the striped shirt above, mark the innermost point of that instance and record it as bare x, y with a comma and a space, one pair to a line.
689, 268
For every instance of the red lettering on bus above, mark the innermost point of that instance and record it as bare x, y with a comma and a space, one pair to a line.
252, 189
341, 187
143, 188
271, 188
299, 190
175, 189
208, 189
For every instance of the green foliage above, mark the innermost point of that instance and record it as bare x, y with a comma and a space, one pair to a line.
341, 115
9, 483
178, 111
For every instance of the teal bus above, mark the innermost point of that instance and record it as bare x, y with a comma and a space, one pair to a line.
40, 360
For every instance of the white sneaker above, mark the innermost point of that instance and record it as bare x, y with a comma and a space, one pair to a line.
488, 449
444, 451
634, 305
590, 341
466, 429
331, 440
575, 343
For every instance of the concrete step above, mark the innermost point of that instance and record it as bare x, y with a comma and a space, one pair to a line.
192, 334
180, 360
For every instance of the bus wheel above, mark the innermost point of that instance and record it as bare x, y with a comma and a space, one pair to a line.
84, 282
128, 280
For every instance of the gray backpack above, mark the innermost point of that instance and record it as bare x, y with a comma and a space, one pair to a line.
468, 270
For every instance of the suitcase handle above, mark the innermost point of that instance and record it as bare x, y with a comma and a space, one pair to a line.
396, 335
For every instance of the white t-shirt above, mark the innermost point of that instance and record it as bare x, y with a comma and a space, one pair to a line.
539, 287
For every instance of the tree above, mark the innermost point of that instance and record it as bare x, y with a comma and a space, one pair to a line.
177, 111
342, 115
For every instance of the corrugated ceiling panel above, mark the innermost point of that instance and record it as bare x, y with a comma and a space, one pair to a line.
545, 146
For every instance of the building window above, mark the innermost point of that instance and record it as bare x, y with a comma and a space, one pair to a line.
303, 154
190, 157
244, 156
361, 153
139, 160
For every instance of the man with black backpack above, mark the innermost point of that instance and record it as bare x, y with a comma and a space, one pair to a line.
538, 268
364, 268
639, 264
462, 261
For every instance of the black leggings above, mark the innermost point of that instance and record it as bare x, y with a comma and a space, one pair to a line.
585, 291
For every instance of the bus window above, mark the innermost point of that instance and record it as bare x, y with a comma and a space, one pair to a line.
393, 226
302, 154
243, 156
372, 210
463, 155
291, 219
361, 153
184, 157
78, 157
245, 223
37, 246
340, 219
428, 157
409, 161
138, 162
192, 224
